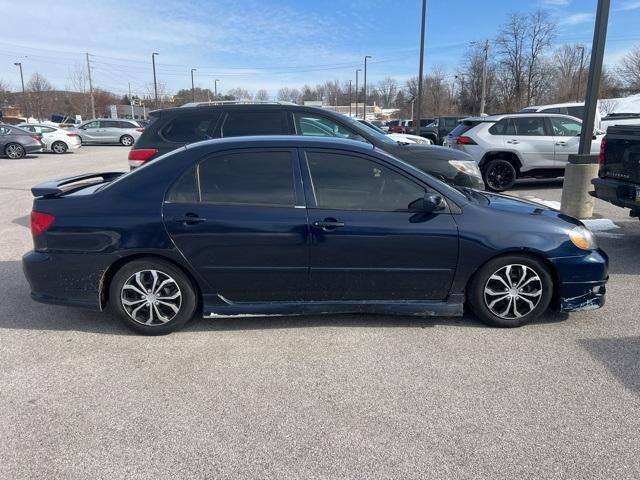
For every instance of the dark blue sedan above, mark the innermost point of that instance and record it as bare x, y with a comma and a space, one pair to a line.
301, 225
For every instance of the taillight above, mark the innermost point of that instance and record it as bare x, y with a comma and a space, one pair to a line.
465, 141
72, 135
140, 129
603, 148
37, 137
40, 222
140, 155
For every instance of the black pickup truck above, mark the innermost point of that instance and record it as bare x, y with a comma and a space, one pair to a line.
618, 181
438, 129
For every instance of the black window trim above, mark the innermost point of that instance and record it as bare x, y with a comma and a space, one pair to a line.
298, 189
310, 195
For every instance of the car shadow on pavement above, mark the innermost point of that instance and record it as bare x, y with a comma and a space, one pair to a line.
621, 244
621, 356
24, 221
537, 184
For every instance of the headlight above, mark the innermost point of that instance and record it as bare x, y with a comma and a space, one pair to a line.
470, 168
583, 238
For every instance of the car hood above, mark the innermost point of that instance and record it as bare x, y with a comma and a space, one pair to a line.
505, 203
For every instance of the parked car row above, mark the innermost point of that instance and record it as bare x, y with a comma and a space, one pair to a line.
16, 141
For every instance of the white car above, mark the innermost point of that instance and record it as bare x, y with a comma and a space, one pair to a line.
56, 140
508, 147
398, 137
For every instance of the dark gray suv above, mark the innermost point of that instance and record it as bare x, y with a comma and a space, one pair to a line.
175, 127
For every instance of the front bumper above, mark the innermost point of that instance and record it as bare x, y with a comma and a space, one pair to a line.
582, 281
618, 192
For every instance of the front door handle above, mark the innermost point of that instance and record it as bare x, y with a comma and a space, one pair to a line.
327, 224
190, 219
562, 144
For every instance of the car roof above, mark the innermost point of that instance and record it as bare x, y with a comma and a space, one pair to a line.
496, 118
288, 141
203, 107
555, 105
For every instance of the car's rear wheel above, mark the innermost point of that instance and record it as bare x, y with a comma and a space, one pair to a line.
152, 296
15, 151
59, 147
510, 291
126, 140
499, 175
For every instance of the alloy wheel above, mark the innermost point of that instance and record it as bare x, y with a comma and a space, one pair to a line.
500, 177
126, 140
513, 291
14, 150
59, 147
151, 297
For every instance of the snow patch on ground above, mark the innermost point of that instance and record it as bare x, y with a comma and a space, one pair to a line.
549, 203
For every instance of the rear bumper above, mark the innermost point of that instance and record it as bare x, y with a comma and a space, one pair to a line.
618, 192
582, 281
62, 279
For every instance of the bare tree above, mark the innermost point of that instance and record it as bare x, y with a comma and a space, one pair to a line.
40, 98
387, 91
540, 32
78, 82
566, 73
261, 95
287, 94
629, 70
240, 94
607, 106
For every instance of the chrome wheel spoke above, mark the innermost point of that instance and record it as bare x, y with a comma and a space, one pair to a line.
513, 291
151, 297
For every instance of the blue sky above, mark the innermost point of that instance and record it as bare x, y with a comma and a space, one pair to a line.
271, 43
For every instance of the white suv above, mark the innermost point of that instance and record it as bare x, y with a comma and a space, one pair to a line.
507, 147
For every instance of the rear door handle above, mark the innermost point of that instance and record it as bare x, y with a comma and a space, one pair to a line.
327, 224
513, 142
562, 144
190, 219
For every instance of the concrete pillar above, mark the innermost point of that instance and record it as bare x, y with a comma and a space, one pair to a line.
579, 172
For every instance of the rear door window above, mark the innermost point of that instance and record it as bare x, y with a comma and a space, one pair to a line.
243, 123
528, 126
191, 128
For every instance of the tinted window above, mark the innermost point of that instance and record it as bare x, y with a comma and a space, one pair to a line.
576, 111
355, 183
554, 110
185, 190
529, 126
241, 123
125, 125
91, 125
256, 178
565, 127
503, 127
463, 127
450, 122
109, 124
191, 128
47, 130
319, 126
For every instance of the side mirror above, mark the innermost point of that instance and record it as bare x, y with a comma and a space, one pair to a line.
431, 202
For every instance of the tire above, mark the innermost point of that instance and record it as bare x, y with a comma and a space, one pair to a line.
176, 301
15, 151
126, 140
59, 147
499, 175
502, 303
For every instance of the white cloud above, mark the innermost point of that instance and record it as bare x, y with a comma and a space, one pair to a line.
576, 19
629, 5
556, 3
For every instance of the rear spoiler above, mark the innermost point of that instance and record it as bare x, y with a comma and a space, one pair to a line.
53, 188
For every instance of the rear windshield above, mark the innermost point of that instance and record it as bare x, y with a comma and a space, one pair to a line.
462, 128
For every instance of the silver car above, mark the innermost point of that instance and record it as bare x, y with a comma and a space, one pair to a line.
17, 143
508, 147
107, 130
56, 140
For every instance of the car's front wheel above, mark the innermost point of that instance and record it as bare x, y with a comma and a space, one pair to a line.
510, 291
15, 151
152, 296
59, 147
499, 175
126, 140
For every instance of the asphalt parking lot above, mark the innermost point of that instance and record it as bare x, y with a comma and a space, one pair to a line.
314, 397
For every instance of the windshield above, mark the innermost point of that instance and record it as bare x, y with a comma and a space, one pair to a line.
370, 131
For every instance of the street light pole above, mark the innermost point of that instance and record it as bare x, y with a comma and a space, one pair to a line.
421, 71
24, 94
358, 70
93, 103
581, 48
364, 94
131, 102
193, 91
155, 83
484, 77
215, 89
349, 98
